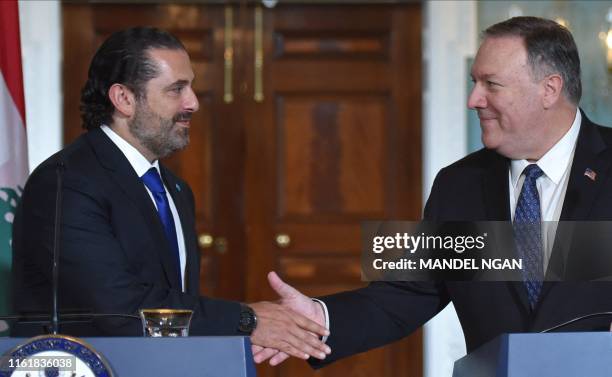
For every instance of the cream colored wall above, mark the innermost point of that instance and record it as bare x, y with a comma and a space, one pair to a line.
40, 23
449, 38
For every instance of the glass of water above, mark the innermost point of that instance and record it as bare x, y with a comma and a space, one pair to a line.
165, 322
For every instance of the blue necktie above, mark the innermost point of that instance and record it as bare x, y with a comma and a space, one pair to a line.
528, 233
153, 181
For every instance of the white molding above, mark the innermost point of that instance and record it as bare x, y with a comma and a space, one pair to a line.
41, 53
449, 38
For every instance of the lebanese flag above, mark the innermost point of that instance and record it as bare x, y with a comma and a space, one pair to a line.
13, 146
13, 152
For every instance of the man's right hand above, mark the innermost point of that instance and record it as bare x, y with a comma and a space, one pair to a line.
280, 328
294, 300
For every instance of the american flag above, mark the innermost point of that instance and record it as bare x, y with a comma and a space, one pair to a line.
591, 174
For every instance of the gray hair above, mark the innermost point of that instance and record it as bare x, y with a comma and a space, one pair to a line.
550, 49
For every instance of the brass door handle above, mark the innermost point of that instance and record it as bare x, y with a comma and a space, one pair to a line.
258, 94
228, 56
283, 240
206, 241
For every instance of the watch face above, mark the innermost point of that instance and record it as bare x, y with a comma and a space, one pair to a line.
54, 356
247, 320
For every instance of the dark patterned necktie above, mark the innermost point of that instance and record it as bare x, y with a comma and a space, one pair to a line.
153, 181
528, 233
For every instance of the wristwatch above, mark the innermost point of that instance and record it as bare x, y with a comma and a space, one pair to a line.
248, 320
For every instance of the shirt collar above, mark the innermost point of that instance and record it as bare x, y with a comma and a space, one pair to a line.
139, 162
555, 162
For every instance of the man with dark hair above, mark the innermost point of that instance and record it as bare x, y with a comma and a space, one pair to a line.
128, 226
122, 58
543, 161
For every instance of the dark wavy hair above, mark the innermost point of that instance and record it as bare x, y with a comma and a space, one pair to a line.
123, 58
550, 49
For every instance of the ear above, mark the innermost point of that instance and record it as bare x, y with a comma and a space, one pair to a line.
123, 99
553, 87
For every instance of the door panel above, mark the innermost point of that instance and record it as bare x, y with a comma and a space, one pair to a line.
320, 143
326, 150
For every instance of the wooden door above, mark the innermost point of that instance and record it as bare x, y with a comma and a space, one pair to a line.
335, 140
323, 132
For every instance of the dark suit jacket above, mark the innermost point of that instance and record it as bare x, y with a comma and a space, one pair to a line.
476, 189
114, 255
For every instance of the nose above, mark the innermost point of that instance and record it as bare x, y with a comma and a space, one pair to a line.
477, 98
191, 101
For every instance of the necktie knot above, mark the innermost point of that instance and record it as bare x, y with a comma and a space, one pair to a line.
153, 181
532, 172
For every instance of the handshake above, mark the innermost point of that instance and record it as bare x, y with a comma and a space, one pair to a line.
292, 326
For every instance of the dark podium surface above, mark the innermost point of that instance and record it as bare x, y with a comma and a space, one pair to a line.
542, 355
186, 357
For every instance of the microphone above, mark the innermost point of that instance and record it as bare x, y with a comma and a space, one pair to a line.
577, 319
59, 171
74, 317
41, 320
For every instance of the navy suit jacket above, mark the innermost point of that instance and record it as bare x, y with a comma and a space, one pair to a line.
114, 254
475, 188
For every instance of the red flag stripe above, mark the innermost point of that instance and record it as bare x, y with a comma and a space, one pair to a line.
10, 52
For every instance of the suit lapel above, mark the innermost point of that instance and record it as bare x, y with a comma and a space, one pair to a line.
495, 189
184, 209
126, 178
582, 191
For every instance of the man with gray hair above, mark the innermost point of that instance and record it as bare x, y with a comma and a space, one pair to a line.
543, 161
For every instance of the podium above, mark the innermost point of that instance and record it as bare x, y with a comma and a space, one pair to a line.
542, 355
192, 356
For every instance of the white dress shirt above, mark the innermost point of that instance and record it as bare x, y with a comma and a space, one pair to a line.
555, 164
141, 165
